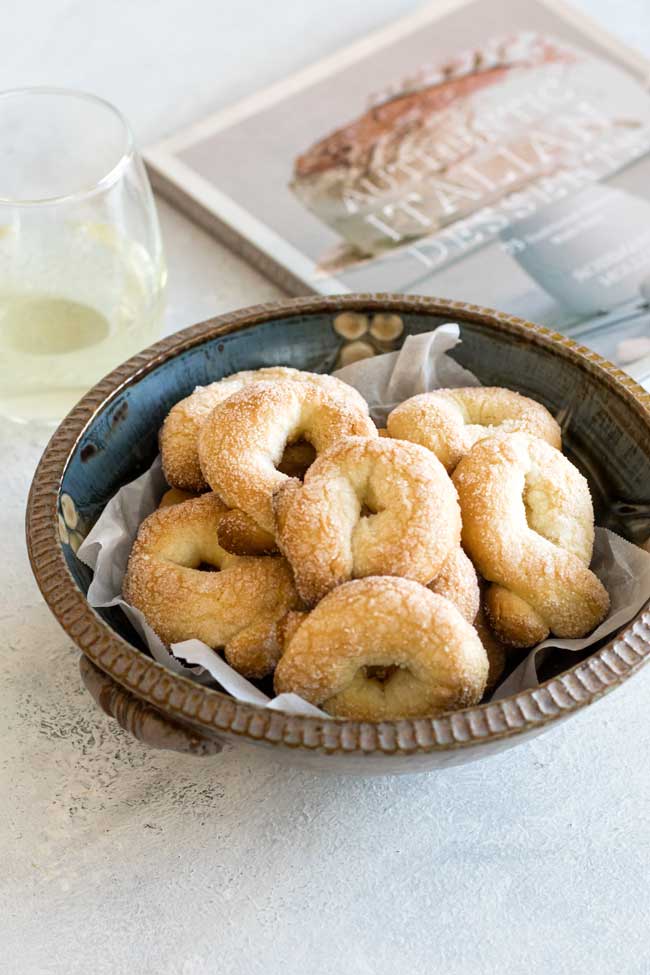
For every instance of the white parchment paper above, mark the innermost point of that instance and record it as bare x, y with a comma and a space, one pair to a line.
422, 364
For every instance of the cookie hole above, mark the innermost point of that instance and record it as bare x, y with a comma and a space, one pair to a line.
369, 503
536, 508
530, 518
369, 507
297, 458
207, 567
380, 674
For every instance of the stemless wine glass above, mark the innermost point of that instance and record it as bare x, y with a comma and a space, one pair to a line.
82, 273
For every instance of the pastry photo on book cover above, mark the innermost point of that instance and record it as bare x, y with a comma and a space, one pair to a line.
487, 137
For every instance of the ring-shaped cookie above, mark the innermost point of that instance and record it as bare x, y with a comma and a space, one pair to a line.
528, 526
243, 439
383, 648
238, 608
450, 421
179, 435
367, 507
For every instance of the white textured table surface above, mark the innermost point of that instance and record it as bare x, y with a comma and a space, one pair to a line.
115, 858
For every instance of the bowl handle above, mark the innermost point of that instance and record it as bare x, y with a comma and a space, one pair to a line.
141, 720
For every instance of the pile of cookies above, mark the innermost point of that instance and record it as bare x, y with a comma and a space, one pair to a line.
376, 573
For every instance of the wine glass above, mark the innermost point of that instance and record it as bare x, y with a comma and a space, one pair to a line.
82, 273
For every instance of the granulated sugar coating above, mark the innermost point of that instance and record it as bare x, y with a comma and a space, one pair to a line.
179, 435
528, 526
450, 421
236, 608
433, 658
243, 439
457, 581
411, 526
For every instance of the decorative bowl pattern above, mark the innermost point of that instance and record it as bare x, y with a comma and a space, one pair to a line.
111, 437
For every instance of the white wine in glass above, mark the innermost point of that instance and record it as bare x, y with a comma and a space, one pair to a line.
82, 274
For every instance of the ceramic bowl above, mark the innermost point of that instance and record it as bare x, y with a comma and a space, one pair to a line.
111, 437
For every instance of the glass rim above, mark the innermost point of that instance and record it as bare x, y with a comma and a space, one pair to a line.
104, 182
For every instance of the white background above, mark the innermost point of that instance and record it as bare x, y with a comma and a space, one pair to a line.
115, 858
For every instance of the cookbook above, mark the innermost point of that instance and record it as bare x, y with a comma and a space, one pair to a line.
489, 151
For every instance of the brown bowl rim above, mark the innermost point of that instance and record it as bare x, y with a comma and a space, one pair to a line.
213, 711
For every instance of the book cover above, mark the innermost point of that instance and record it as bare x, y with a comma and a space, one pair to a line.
490, 151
